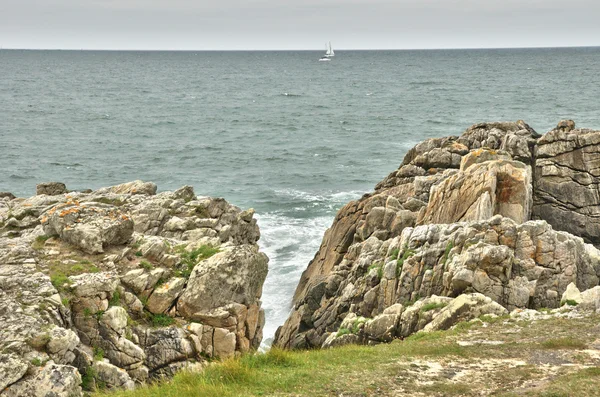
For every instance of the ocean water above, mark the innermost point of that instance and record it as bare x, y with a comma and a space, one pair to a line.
292, 137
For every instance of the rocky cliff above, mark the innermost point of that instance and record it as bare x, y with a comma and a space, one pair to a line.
115, 286
495, 219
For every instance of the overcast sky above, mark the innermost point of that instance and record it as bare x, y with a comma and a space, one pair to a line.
297, 24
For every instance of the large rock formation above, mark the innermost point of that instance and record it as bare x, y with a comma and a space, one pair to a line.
118, 285
482, 213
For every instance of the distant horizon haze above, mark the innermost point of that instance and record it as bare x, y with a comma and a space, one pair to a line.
297, 49
259, 25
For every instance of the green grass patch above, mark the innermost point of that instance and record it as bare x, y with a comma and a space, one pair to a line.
115, 299
60, 272
395, 253
98, 353
161, 320
449, 247
146, 265
569, 302
189, 259
564, 343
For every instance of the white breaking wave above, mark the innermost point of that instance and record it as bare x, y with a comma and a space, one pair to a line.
291, 242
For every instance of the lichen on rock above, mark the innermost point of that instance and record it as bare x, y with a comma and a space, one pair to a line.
109, 288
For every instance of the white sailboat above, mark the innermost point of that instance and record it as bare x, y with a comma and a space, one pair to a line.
328, 53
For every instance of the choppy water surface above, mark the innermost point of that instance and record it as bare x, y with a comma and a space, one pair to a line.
278, 131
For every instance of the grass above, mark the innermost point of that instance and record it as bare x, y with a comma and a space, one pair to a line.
146, 265
161, 320
564, 343
60, 271
449, 247
189, 259
98, 353
39, 242
392, 369
115, 299
569, 302
379, 267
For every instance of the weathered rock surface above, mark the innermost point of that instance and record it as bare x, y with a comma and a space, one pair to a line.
482, 213
122, 284
567, 172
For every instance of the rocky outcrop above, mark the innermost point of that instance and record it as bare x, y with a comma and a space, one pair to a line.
474, 214
115, 286
567, 172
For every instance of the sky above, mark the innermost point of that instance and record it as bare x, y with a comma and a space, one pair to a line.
297, 24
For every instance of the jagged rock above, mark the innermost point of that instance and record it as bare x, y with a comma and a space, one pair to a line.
481, 191
12, 368
115, 318
135, 187
7, 195
74, 280
112, 376
472, 197
61, 345
164, 295
51, 188
164, 346
571, 294
464, 308
209, 286
90, 227
567, 180
51, 380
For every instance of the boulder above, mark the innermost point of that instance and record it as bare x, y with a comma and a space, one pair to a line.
51, 188
567, 180
51, 380
91, 227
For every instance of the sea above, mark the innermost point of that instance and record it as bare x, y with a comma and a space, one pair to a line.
280, 132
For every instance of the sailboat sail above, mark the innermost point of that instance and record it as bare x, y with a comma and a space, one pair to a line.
329, 51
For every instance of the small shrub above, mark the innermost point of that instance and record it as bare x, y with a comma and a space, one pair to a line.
569, 302
37, 362
379, 267
98, 353
65, 302
449, 247
146, 265
343, 331
395, 254
189, 259
99, 314
59, 280
87, 312
356, 323
432, 306
88, 379
139, 253
115, 299
161, 320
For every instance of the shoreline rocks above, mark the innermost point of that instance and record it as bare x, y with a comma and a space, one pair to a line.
119, 285
489, 212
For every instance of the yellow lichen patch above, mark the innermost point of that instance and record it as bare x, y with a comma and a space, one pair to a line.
44, 219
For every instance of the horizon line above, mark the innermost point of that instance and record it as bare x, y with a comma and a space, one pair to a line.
298, 50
